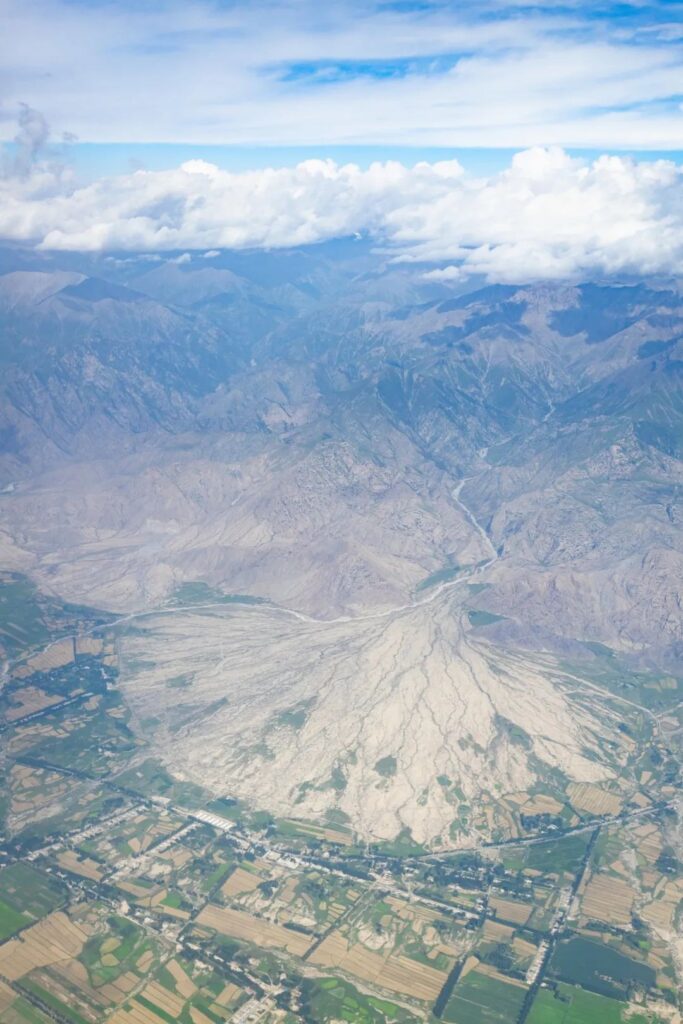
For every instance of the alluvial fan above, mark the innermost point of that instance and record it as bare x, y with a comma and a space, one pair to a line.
406, 720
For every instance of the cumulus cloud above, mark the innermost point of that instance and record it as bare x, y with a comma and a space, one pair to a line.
547, 216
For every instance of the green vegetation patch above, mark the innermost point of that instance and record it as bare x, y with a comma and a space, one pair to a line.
124, 941
29, 619
479, 999
22, 1012
197, 592
226, 807
62, 1009
337, 780
554, 857
11, 921
295, 717
600, 968
330, 999
386, 766
180, 682
445, 575
480, 617
22, 622
571, 1005
29, 891
149, 1005
402, 846
151, 779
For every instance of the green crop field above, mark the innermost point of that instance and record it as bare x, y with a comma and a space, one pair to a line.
27, 890
332, 999
21, 620
478, 999
599, 968
572, 1005
11, 920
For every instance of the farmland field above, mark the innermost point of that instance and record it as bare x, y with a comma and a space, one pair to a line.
480, 999
120, 892
333, 999
252, 929
29, 890
572, 1005
599, 968
11, 920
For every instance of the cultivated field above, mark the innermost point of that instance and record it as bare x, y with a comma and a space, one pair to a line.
395, 973
509, 910
252, 929
593, 799
240, 881
29, 700
55, 656
608, 899
54, 939
83, 866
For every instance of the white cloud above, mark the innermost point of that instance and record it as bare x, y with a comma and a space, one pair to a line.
278, 72
546, 216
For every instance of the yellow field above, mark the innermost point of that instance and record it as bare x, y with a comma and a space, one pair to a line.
648, 839
541, 804
509, 910
332, 835
144, 962
244, 926
177, 855
183, 982
498, 932
523, 948
198, 1017
47, 942
89, 645
412, 911
491, 972
28, 735
240, 881
660, 911
395, 973
608, 899
116, 991
55, 656
7, 996
80, 865
228, 995
160, 996
170, 1003
593, 799
139, 891
135, 1014
29, 700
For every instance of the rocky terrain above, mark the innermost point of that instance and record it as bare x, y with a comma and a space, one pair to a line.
402, 721
338, 436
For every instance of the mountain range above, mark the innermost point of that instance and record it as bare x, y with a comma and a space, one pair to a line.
428, 498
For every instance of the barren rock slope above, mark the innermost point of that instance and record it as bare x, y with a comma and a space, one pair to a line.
401, 720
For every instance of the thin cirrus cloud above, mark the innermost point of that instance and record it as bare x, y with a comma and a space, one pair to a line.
547, 216
493, 73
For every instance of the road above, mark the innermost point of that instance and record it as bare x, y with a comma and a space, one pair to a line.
555, 932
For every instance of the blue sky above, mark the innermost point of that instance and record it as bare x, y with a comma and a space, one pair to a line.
484, 137
247, 85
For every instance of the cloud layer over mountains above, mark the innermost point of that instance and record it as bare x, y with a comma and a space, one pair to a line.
547, 215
